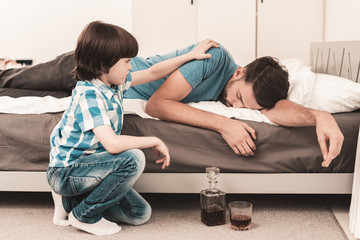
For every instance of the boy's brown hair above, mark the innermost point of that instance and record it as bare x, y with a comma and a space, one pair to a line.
99, 47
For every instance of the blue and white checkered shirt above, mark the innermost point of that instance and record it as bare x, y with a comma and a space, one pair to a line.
93, 104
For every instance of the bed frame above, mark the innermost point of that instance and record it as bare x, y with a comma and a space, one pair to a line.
280, 183
336, 58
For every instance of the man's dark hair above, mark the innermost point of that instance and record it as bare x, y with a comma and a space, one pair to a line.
270, 81
99, 47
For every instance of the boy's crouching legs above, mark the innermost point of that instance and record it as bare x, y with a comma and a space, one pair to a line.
132, 209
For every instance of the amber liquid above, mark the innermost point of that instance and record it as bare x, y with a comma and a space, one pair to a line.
213, 216
240, 222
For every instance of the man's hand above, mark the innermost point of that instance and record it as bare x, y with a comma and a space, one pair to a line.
287, 113
328, 134
239, 136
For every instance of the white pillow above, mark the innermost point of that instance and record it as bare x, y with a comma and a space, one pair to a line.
301, 80
321, 91
334, 94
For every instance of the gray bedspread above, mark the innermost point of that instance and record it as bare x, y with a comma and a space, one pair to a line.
279, 149
24, 145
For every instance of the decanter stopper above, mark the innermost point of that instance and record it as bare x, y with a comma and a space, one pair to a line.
213, 174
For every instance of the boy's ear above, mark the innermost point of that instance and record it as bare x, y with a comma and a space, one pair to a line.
239, 73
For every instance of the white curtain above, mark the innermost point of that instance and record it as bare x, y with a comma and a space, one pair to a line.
355, 198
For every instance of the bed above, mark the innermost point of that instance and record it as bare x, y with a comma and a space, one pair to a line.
287, 160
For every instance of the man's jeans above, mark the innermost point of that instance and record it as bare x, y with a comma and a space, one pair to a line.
100, 185
54, 75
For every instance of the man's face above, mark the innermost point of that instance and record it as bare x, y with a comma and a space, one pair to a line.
239, 94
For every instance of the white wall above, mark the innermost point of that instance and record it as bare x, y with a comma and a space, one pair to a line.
287, 27
162, 26
342, 20
43, 29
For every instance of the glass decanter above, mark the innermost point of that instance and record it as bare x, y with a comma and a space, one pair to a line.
212, 201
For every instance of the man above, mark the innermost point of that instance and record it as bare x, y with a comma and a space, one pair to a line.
262, 85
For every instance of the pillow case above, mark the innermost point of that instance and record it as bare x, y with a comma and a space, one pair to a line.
321, 91
334, 94
301, 80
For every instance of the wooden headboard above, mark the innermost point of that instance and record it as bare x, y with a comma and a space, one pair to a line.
336, 58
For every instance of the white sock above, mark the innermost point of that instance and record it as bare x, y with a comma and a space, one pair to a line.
60, 215
102, 227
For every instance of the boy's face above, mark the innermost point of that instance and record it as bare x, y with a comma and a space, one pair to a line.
117, 73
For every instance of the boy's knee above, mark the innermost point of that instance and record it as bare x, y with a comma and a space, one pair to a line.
145, 217
137, 157
140, 158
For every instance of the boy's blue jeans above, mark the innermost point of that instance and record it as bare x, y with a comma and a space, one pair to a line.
100, 185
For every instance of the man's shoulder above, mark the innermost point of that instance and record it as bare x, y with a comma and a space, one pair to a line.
220, 58
220, 52
216, 52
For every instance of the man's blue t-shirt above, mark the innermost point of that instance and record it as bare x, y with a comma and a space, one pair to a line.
208, 77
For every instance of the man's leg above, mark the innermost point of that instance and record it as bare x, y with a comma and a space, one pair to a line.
54, 75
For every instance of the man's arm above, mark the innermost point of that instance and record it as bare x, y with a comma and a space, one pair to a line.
287, 113
164, 104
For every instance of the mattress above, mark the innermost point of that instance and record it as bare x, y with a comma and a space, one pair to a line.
279, 149
24, 144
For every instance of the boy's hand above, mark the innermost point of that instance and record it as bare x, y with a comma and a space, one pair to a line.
199, 52
162, 152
